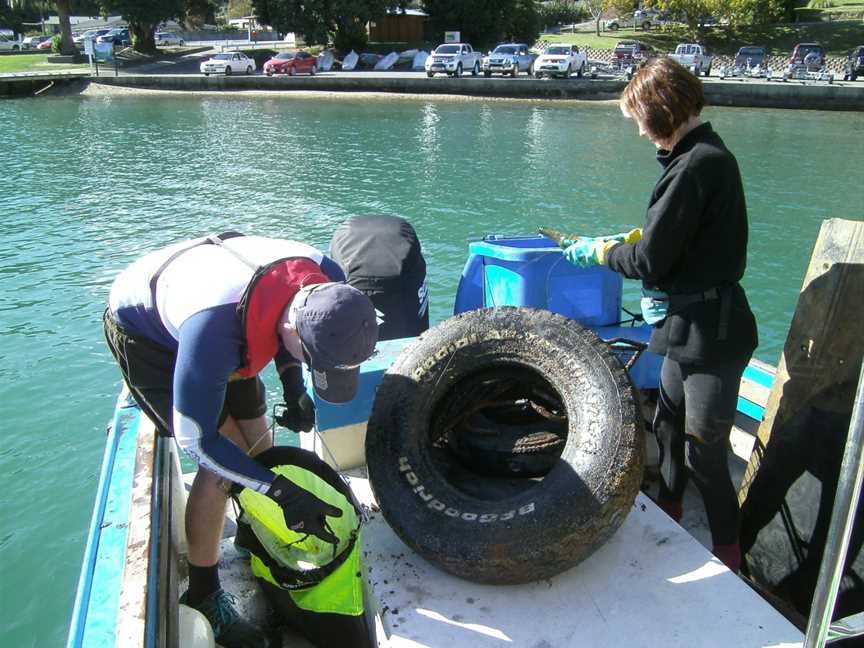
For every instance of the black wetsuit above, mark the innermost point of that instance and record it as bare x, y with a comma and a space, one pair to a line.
694, 248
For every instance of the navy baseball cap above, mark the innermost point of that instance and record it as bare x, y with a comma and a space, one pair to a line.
338, 330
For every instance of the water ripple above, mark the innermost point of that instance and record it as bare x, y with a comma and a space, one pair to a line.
97, 182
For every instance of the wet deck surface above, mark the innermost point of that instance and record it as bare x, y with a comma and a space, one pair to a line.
650, 585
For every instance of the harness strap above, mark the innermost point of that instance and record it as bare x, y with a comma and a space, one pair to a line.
218, 239
679, 302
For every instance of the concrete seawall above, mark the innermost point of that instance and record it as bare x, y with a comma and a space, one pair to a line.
757, 94
775, 94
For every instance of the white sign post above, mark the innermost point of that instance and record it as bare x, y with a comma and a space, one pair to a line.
88, 50
452, 36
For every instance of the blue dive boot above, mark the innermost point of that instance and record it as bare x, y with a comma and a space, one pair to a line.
229, 628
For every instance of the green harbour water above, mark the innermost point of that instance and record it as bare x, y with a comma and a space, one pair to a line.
87, 184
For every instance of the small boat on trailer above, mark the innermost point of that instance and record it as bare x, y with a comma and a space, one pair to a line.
653, 583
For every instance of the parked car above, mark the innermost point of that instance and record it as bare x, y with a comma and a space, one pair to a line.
640, 19
694, 57
8, 45
560, 60
169, 38
90, 33
854, 64
750, 61
228, 63
630, 53
750, 56
291, 63
508, 58
31, 42
452, 59
811, 55
45, 45
119, 36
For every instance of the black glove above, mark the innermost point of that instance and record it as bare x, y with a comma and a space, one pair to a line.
298, 413
303, 511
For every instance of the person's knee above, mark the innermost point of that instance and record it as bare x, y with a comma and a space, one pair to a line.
707, 459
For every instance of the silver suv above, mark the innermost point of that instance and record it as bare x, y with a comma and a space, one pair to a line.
7, 45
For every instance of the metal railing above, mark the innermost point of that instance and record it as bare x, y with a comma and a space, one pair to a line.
820, 630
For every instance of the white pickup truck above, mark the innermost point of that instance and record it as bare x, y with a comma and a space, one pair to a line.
452, 59
694, 57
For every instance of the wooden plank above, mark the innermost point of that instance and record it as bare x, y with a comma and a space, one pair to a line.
132, 612
824, 346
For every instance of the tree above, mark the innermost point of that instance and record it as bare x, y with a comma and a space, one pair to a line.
622, 7
343, 20
561, 12
485, 22
143, 17
199, 13
595, 9
65, 8
693, 11
756, 11
240, 8
524, 22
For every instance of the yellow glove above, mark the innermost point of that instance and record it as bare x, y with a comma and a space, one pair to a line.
625, 237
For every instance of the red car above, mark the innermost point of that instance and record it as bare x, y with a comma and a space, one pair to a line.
291, 63
809, 54
44, 45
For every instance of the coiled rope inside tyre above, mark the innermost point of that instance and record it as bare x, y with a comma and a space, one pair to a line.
504, 529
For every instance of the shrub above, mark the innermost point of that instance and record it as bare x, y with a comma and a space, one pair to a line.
55, 43
562, 12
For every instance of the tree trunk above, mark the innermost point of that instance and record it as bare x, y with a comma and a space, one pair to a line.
63, 11
597, 25
143, 37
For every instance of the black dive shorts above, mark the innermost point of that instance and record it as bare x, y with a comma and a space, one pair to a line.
148, 369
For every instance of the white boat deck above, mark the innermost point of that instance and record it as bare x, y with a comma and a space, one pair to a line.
653, 584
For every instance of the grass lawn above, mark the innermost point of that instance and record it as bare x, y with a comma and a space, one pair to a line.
838, 37
34, 63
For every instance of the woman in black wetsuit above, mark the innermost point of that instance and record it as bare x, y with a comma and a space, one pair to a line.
690, 256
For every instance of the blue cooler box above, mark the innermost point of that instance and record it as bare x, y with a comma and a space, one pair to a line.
532, 271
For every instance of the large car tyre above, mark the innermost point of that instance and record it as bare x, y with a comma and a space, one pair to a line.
581, 71
491, 530
228, 71
707, 72
569, 71
314, 70
248, 69
292, 71
430, 74
207, 74
182, 43
538, 74
515, 71
487, 74
458, 72
476, 69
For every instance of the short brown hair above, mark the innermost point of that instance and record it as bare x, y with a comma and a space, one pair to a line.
663, 95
